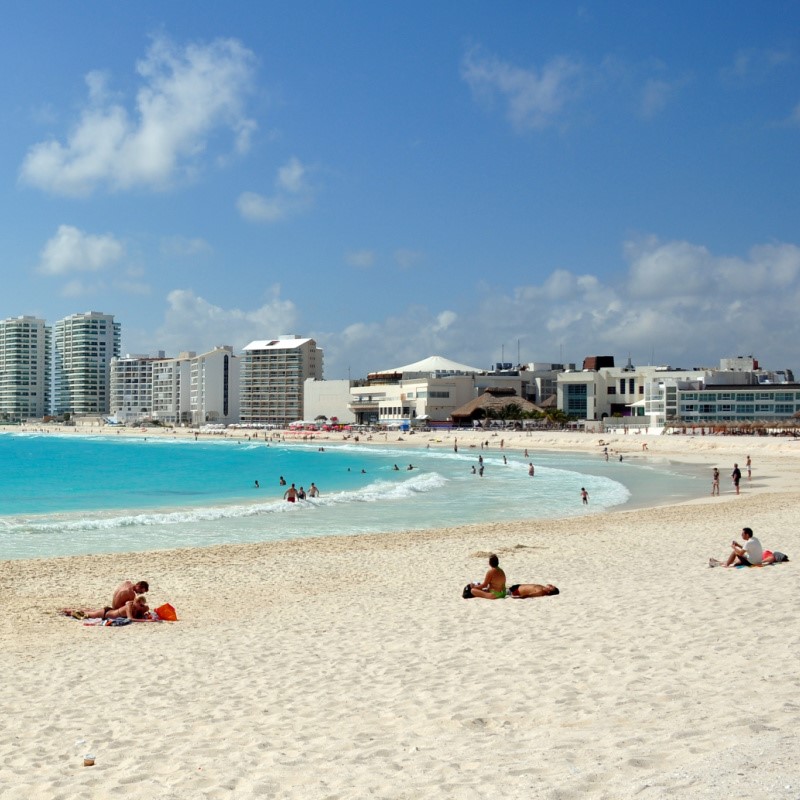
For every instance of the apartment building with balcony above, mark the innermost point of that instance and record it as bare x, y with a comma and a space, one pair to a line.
25, 357
214, 387
132, 387
273, 375
83, 346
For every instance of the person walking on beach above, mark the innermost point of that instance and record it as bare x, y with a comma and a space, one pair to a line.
736, 476
749, 465
584, 496
127, 591
494, 583
715, 482
290, 494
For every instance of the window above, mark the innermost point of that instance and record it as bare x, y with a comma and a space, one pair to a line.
784, 408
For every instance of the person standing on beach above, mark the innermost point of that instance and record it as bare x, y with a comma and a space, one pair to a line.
127, 591
749, 465
736, 476
715, 482
584, 496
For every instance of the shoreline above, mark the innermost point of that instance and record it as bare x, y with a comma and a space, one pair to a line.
350, 666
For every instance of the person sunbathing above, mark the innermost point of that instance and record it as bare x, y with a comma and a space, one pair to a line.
133, 609
522, 590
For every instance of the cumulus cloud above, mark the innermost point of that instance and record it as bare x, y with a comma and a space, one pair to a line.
534, 98
72, 250
674, 300
193, 323
293, 193
187, 95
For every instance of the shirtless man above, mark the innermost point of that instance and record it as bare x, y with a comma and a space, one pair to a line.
290, 494
313, 491
533, 590
494, 584
127, 591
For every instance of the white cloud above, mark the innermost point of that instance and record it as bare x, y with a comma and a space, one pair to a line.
187, 95
293, 194
754, 65
676, 300
534, 97
193, 323
72, 250
363, 259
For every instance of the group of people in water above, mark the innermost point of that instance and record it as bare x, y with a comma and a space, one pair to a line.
493, 586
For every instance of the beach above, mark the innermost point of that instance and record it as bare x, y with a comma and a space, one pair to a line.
349, 667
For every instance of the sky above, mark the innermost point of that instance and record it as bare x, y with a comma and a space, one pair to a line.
516, 181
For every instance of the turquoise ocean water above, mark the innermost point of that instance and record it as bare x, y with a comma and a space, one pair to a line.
67, 495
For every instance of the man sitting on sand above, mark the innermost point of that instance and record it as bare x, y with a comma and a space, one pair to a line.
522, 590
128, 590
133, 609
750, 554
494, 584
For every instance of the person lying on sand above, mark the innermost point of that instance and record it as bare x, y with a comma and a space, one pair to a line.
133, 609
522, 590
494, 583
128, 590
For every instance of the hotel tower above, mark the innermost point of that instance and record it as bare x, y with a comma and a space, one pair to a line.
24, 368
84, 345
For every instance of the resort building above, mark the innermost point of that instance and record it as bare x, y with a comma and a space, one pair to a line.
214, 387
132, 387
83, 346
187, 390
328, 399
427, 390
25, 355
171, 389
273, 376
737, 390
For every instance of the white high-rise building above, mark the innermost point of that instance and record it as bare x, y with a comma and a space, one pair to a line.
83, 345
274, 372
132, 387
214, 387
24, 368
172, 389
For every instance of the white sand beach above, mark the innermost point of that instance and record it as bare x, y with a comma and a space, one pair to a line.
351, 667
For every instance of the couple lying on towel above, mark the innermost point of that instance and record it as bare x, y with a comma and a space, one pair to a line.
493, 586
128, 602
133, 609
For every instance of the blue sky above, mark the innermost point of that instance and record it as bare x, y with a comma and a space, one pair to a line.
470, 179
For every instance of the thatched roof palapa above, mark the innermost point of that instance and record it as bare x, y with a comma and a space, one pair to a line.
494, 398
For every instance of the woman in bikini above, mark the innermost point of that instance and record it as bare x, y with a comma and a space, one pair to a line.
133, 609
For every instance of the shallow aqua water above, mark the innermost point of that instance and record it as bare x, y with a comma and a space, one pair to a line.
63, 495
